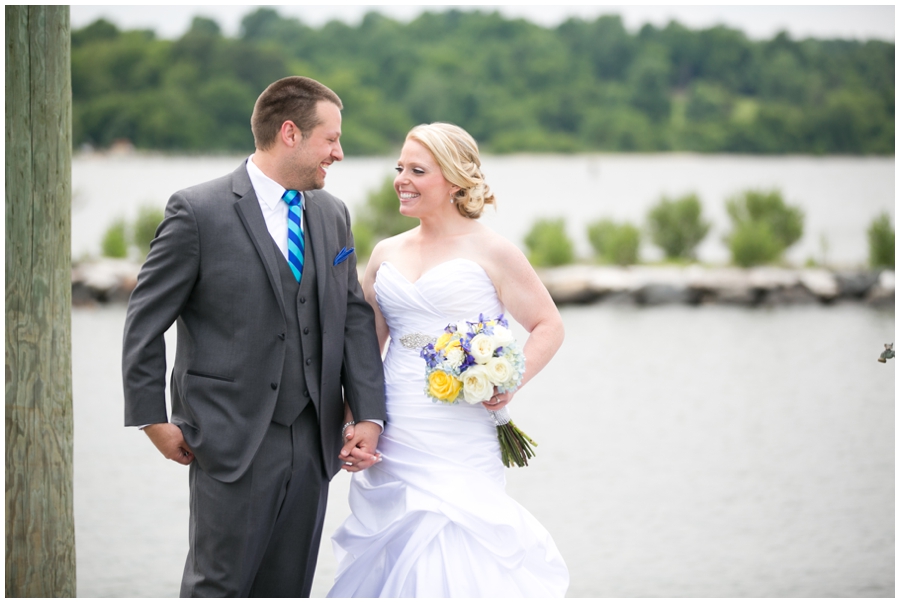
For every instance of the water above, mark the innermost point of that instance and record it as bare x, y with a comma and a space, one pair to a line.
839, 195
684, 452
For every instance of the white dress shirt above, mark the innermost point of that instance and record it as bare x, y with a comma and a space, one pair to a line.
274, 210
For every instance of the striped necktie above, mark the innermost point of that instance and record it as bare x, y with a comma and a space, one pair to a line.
295, 232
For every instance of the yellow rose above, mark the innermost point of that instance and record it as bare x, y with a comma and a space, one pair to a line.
442, 341
443, 386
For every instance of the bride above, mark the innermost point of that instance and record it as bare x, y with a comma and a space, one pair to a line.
432, 518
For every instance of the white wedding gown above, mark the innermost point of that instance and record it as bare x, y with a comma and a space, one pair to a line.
432, 519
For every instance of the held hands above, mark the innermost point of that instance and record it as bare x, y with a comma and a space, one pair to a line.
360, 440
169, 440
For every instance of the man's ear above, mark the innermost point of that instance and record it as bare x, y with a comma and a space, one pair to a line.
290, 134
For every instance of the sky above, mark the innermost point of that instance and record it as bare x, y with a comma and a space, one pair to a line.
757, 21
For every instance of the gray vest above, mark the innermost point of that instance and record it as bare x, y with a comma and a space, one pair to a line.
303, 338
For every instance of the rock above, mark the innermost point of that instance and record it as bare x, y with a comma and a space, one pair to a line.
820, 283
794, 294
654, 294
882, 293
606, 280
569, 284
768, 278
855, 285
106, 280
721, 285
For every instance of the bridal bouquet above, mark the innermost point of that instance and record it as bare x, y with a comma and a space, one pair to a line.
471, 359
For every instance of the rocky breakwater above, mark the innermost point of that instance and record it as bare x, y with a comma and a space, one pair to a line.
763, 286
103, 281
112, 281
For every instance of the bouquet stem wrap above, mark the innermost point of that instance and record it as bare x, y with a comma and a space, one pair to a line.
515, 445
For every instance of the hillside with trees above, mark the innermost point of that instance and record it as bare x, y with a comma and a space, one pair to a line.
516, 86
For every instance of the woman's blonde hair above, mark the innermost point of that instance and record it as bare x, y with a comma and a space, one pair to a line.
456, 152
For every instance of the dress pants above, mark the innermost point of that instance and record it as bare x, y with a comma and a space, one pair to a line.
259, 536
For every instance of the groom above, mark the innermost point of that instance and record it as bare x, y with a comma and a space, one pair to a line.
257, 268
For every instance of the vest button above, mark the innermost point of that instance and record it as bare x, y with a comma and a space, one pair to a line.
306, 330
308, 361
274, 386
302, 300
281, 336
306, 393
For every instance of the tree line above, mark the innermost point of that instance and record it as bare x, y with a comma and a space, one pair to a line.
516, 86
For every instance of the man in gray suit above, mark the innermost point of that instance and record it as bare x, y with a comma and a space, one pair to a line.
274, 334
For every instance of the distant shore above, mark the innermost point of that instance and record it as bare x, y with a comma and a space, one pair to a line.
112, 281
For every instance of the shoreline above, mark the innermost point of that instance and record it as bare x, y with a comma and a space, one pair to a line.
111, 281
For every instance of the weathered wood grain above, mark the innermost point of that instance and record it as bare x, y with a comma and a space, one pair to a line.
40, 530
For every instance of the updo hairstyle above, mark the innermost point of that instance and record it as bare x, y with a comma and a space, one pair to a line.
456, 152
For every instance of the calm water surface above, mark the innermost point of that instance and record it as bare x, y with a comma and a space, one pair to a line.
684, 452
839, 195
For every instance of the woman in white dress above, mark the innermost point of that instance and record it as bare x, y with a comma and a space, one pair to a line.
432, 519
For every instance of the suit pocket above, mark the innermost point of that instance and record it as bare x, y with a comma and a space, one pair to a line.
209, 376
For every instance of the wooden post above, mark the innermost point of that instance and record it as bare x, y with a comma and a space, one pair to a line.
40, 527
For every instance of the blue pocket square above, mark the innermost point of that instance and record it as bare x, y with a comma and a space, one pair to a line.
342, 255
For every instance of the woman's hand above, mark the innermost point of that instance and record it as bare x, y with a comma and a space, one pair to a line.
498, 400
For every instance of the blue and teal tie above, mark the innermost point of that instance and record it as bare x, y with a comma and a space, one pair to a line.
295, 233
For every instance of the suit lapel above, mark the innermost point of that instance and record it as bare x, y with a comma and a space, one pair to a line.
321, 241
248, 210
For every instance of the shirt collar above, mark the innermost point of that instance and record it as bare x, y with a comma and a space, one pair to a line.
267, 190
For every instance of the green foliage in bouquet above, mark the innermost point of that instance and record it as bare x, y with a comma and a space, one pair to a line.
881, 242
677, 226
615, 243
548, 244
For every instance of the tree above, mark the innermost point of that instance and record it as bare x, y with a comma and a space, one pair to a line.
548, 244
615, 243
677, 226
764, 226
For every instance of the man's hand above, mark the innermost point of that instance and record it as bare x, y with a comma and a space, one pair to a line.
358, 452
169, 440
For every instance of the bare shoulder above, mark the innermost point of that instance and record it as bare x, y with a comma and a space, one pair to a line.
500, 257
384, 251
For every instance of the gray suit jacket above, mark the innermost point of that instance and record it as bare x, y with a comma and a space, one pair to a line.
212, 267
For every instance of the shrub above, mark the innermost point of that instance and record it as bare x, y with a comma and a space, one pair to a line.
115, 241
677, 226
145, 226
753, 243
764, 225
615, 243
379, 219
548, 244
881, 242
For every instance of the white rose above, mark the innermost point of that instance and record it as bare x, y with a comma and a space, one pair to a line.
502, 336
499, 370
462, 327
455, 357
482, 348
477, 385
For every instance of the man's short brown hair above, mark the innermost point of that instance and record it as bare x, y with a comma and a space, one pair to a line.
293, 99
